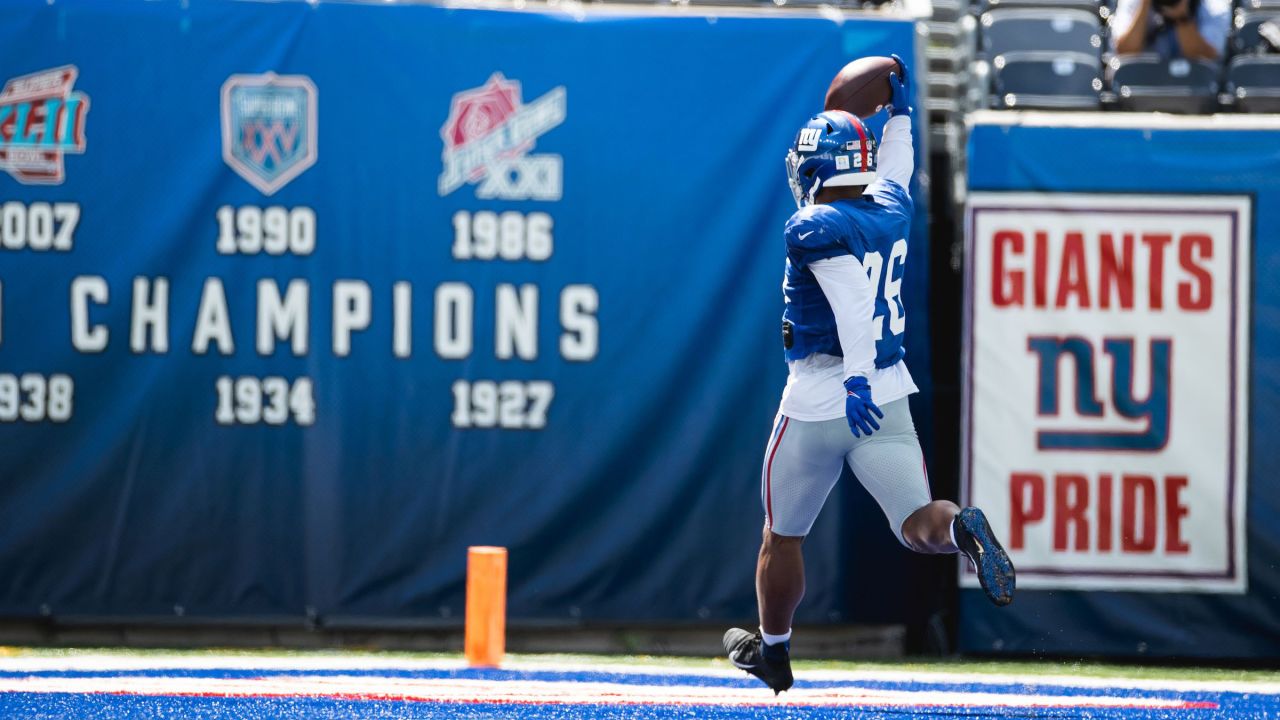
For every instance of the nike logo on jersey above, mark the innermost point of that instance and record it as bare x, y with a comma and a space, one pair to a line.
805, 235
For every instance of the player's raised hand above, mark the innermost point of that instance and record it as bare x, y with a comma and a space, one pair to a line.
858, 407
900, 85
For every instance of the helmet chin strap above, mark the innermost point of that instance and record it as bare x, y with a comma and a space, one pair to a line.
813, 191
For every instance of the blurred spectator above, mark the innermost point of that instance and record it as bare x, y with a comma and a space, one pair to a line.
1270, 34
1192, 29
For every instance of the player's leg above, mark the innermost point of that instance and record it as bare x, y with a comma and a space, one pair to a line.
928, 529
890, 465
779, 582
802, 463
801, 466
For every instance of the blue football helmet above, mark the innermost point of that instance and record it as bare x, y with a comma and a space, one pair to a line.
833, 149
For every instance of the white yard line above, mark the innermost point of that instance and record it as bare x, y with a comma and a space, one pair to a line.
938, 676
542, 692
1072, 681
107, 662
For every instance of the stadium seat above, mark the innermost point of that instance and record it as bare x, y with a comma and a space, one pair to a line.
1254, 5
1254, 82
1248, 36
1026, 29
949, 10
1086, 5
1152, 84
1046, 80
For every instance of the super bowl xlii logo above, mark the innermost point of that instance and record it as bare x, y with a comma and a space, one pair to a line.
487, 139
41, 120
269, 133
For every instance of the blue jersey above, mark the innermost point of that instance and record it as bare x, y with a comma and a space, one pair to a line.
872, 228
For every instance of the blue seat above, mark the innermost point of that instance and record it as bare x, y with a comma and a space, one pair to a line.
1254, 82
1046, 80
1027, 29
1248, 37
1254, 5
1153, 84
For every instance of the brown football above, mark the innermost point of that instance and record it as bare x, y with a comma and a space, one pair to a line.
862, 86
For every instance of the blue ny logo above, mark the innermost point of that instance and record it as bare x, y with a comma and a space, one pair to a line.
1154, 408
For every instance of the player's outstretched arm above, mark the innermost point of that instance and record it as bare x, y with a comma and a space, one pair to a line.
845, 284
896, 160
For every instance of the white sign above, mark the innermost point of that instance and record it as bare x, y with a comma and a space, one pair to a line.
1107, 373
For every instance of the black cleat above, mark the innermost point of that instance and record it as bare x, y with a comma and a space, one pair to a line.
979, 544
747, 651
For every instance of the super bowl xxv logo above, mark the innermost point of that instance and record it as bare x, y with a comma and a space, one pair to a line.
269, 132
1107, 402
487, 139
41, 120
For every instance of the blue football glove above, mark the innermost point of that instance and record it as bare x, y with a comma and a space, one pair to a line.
900, 84
858, 408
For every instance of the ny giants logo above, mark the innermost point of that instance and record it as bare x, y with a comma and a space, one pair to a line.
808, 140
269, 133
1153, 409
487, 139
41, 119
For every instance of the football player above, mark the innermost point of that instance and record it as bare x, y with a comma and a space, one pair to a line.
846, 395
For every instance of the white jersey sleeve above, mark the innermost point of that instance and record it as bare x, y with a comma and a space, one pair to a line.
896, 159
848, 290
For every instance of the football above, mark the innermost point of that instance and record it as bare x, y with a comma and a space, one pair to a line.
862, 86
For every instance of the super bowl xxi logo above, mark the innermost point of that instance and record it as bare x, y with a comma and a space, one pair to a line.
487, 139
269, 133
41, 120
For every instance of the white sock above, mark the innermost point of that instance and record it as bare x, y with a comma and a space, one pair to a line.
774, 639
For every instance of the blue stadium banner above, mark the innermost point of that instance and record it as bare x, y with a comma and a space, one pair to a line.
1119, 379
299, 300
